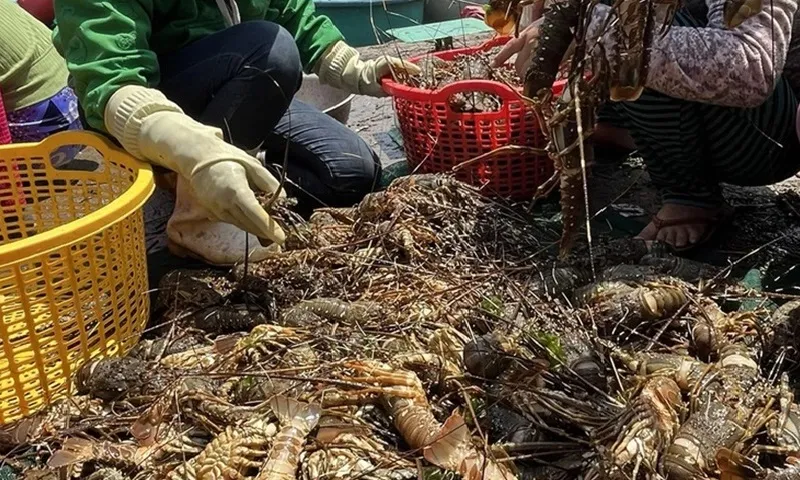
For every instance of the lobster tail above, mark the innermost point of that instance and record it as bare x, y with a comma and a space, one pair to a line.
453, 450
303, 416
735, 466
73, 450
445, 451
297, 419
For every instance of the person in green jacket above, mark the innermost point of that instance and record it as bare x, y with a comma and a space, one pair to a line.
202, 87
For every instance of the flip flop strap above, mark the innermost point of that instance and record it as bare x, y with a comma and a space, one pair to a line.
660, 223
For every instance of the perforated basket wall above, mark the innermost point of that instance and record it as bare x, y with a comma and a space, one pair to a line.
73, 280
437, 138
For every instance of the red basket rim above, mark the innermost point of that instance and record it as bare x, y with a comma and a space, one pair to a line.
406, 92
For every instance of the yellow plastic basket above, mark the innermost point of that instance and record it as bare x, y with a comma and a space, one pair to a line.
73, 273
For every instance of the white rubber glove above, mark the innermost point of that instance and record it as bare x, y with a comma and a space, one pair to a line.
152, 128
341, 67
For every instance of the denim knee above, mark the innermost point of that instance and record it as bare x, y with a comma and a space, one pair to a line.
276, 54
365, 174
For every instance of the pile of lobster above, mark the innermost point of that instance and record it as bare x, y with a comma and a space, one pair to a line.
430, 333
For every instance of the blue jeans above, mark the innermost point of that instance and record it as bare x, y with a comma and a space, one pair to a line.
242, 80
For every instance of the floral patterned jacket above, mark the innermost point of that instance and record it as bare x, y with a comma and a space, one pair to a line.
730, 67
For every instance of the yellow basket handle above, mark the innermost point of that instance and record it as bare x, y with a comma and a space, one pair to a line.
128, 201
80, 137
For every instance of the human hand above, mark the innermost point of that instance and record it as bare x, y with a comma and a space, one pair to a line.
473, 11
342, 67
152, 128
522, 46
383, 66
226, 189
223, 176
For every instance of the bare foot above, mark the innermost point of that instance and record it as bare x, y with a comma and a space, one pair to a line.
679, 235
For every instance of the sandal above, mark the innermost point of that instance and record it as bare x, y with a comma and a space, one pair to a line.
712, 223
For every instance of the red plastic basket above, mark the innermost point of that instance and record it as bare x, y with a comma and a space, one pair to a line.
6, 190
436, 138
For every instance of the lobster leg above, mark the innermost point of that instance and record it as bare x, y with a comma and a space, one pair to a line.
547, 187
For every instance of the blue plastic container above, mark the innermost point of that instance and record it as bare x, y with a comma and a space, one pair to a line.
355, 18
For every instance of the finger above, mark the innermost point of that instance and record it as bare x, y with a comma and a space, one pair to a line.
263, 225
411, 68
681, 237
243, 221
215, 210
523, 60
262, 179
509, 49
521, 65
667, 235
694, 235
251, 218
228, 216
240, 221
537, 10
396, 65
404, 66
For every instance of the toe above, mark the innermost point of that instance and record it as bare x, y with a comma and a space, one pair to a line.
667, 235
694, 233
681, 237
649, 232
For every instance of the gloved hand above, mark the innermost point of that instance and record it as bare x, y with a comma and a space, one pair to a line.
341, 67
152, 128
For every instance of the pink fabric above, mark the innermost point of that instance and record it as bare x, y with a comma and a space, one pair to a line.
473, 12
5, 134
5, 187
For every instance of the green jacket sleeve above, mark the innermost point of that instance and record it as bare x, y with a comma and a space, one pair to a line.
105, 44
313, 33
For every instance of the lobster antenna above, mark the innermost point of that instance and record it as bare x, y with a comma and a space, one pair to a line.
576, 97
